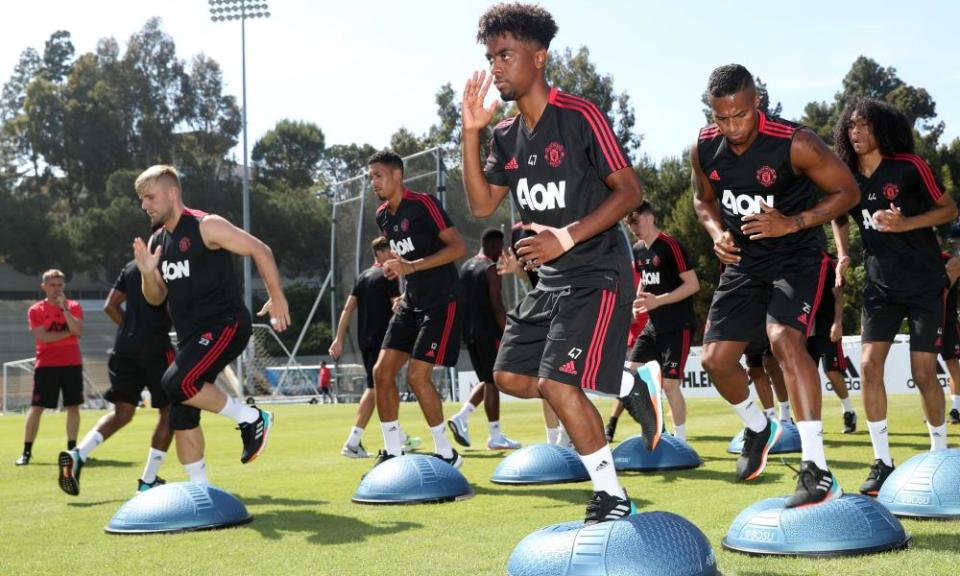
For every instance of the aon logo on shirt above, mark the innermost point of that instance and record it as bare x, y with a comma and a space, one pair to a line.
868, 222
650, 278
541, 197
175, 270
743, 204
402, 246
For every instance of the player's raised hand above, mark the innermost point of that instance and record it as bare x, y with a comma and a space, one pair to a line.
475, 116
644, 302
397, 265
533, 251
146, 261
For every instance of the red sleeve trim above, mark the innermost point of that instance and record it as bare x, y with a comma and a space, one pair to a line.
431, 205
925, 173
677, 252
598, 124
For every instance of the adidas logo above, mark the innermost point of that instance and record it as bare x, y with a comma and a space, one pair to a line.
512, 165
714, 175
569, 368
602, 465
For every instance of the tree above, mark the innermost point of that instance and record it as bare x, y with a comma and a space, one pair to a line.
290, 153
343, 161
573, 72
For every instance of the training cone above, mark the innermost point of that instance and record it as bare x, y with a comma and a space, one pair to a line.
414, 479
178, 507
925, 486
647, 544
671, 453
850, 525
788, 443
541, 464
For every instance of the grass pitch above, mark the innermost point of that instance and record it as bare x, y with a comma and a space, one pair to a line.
304, 523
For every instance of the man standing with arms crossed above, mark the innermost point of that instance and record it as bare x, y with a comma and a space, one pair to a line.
572, 184
56, 324
755, 185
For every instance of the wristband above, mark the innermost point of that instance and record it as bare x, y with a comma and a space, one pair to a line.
566, 240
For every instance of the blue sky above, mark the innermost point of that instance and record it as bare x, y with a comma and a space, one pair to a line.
362, 69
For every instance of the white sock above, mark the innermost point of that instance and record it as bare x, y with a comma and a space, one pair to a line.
811, 442
955, 401
154, 460
881, 441
465, 411
680, 432
938, 437
553, 434
627, 380
749, 411
89, 442
392, 442
197, 471
602, 472
785, 411
770, 413
440, 442
564, 439
354, 439
239, 411
403, 435
495, 432
847, 404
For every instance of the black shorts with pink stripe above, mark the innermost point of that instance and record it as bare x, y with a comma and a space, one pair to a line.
431, 334
199, 360
577, 336
670, 349
743, 304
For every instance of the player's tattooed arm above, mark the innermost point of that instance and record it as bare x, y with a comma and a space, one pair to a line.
812, 157
708, 212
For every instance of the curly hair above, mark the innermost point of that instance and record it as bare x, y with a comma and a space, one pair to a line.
890, 127
526, 22
729, 79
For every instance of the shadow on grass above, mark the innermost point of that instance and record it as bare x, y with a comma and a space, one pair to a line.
94, 504
937, 542
578, 493
701, 473
323, 528
99, 463
268, 500
919, 446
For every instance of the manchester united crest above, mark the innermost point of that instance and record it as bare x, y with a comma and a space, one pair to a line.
890, 191
766, 176
656, 261
184, 244
404, 224
555, 153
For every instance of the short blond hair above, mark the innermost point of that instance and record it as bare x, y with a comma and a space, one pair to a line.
154, 174
51, 274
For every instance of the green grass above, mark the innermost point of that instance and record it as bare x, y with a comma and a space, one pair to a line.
304, 523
